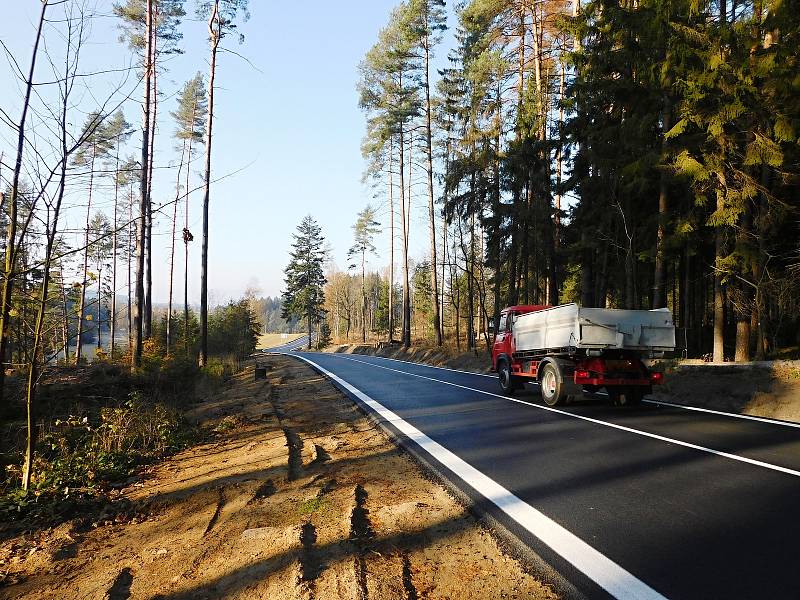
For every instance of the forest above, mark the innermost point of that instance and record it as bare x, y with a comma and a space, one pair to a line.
71, 154
620, 154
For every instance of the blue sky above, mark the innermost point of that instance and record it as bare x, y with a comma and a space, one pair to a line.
288, 129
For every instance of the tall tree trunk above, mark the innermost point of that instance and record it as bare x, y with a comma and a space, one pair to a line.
52, 230
719, 297
64, 314
114, 239
99, 303
406, 333
659, 276
11, 237
84, 281
187, 237
148, 290
172, 248
391, 241
363, 297
431, 211
144, 200
744, 306
131, 250
214, 35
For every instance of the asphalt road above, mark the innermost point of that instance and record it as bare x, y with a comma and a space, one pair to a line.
644, 502
299, 344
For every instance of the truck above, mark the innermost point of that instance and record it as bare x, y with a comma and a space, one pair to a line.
569, 350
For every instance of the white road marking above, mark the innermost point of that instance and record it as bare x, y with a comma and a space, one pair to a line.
649, 401
409, 362
726, 414
610, 576
654, 436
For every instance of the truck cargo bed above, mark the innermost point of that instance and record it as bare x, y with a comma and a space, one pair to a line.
570, 326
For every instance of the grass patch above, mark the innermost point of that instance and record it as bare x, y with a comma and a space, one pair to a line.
312, 505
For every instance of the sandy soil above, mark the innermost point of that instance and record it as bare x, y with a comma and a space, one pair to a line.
298, 497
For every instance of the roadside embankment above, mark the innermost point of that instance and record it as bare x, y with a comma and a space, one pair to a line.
298, 495
765, 389
475, 362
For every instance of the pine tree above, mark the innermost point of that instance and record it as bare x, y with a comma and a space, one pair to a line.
389, 94
118, 131
428, 21
100, 252
364, 231
190, 118
150, 27
304, 294
95, 145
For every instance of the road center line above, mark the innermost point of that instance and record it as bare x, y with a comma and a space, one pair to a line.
720, 413
654, 436
599, 568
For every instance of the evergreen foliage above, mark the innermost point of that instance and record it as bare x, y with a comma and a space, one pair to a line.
304, 295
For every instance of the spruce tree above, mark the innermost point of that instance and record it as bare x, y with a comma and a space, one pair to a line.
304, 294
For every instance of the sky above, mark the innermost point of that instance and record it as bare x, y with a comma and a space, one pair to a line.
287, 140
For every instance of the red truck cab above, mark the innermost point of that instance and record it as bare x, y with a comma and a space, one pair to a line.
504, 340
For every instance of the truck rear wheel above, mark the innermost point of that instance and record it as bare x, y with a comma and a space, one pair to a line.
551, 385
626, 396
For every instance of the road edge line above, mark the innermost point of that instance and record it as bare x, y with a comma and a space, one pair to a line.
411, 362
655, 436
722, 413
594, 565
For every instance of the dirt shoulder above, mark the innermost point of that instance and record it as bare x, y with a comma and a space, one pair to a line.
299, 496
768, 389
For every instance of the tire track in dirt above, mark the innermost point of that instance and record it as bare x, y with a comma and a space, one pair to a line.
408, 579
361, 534
121, 588
215, 516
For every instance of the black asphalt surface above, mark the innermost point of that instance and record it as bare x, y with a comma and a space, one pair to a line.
688, 523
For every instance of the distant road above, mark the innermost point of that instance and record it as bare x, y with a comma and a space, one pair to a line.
646, 502
296, 344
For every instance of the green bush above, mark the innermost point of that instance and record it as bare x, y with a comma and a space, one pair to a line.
76, 453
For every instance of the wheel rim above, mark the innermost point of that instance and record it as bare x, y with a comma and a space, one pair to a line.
504, 376
549, 383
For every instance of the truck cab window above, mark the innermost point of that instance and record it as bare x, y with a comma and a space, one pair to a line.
502, 326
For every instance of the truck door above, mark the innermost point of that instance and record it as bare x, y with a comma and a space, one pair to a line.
504, 338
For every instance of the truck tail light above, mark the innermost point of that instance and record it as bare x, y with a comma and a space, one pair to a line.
657, 378
582, 374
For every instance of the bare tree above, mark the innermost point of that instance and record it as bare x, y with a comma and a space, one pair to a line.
11, 236
222, 15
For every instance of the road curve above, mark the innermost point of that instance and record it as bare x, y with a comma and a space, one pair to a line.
300, 343
645, 502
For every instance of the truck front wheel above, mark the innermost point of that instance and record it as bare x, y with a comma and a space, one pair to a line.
552, 386
507, 382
